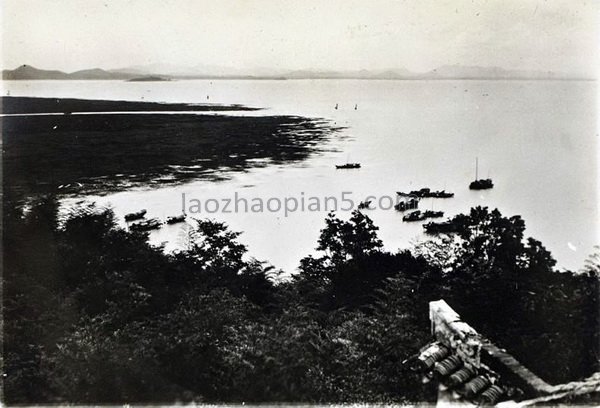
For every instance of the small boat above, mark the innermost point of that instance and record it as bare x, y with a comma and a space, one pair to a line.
146, 225
433, 214
355, 106
135, 215
480, 184
364, 204
444, 227
423, 193
348, 166
413, 216
336, 106
420, 216
411, 204
176, 219
442, 194
427, 193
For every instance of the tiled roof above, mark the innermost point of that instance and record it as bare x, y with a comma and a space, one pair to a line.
472, 370
478, 385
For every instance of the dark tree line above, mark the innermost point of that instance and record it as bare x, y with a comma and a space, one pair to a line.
92, 313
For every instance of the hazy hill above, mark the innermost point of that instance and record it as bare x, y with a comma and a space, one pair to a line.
95, 73
213, 71
32, 73
443, 72
29, 72
216, 72
477, 72
400, 73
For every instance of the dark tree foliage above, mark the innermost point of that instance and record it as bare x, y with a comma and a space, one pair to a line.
352, 239
506, 287
85, 301
354, 266
94, 314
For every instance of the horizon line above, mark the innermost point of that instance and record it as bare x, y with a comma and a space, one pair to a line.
520, 74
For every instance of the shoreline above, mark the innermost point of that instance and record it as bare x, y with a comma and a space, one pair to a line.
91, 151
26, 104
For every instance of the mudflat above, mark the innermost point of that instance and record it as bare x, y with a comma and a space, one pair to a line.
76, 154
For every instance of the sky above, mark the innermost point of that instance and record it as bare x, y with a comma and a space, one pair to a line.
419, 35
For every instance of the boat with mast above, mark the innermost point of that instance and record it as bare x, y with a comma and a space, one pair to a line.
480, 184
348, 165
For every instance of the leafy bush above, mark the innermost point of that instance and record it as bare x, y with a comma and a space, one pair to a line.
93, 313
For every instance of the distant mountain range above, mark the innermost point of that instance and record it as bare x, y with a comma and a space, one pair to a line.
166, 71
477, 72
29, 72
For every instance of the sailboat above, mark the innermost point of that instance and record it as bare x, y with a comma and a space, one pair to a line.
348, 165
480, 184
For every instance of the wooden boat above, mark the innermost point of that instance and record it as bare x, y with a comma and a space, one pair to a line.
444, 227
364, 204
426, 193
411, 204
135, 215
480, 184
146, 225
433, 214
422, 193
413, 216
176, 219
348, 166
442, 194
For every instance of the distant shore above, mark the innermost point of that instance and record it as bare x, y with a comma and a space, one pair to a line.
149, 78
447, 72
16, 104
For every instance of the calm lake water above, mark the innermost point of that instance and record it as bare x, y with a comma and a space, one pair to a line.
538, 140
